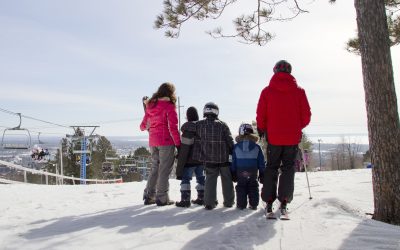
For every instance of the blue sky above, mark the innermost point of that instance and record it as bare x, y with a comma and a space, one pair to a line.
90, 62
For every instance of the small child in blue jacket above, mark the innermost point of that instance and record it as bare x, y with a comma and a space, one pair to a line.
247, 167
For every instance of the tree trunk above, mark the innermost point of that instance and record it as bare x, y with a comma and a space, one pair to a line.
382, 112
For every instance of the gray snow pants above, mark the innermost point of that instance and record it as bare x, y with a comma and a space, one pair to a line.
158, 181
210, 189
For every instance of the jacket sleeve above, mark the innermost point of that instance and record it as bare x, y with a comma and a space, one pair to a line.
229, 139
172, 119
187, 142
261, 115
305, 110
144, 125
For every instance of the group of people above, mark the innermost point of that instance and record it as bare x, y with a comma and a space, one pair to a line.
207, 146
39, 154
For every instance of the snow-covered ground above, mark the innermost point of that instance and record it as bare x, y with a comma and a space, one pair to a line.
112, 216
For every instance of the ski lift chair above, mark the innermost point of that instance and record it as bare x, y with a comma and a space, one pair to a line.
107, 167
16, 132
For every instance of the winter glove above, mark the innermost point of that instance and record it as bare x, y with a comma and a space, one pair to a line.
179, 178
261, 178
234, 176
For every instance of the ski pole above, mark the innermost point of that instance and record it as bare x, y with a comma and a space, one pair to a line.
305, 169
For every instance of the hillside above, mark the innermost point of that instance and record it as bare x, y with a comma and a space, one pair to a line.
112, 216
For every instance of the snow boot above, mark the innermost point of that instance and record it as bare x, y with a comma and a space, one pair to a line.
200, 198
147, 200
167, 203
163, 200
283, 209
185, 199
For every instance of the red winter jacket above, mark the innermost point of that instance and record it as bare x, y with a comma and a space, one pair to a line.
162, 122
283, 110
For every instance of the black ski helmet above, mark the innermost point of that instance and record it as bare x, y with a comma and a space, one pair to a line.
246, 129
210, 109
283, 66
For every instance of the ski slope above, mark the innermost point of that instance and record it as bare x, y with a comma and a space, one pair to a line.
111, 216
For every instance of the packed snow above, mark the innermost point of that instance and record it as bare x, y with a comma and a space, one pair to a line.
112, 216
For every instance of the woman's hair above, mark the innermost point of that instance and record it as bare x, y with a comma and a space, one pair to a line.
165, 90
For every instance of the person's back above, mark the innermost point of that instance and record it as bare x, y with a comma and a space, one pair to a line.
186, 165
214, 141
247, 161
282, 112
213, 144
161, 121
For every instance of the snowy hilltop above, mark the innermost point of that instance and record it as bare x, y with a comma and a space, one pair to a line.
112, 216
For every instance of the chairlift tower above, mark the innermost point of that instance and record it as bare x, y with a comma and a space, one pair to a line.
84, 149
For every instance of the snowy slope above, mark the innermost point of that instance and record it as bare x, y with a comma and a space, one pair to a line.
112, 216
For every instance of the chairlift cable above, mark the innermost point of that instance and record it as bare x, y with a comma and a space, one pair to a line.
32, 118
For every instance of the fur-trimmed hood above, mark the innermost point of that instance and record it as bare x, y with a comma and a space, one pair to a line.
251, 137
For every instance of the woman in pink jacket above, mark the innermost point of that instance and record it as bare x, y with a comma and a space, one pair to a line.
161, 120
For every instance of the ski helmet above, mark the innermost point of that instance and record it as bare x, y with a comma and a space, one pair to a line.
246, 129
210, 109
283, 66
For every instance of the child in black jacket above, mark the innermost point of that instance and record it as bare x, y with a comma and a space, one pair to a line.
214, 145
186, 165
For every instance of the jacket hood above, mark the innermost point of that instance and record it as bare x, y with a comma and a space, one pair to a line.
251, 137
246, 145
283, 82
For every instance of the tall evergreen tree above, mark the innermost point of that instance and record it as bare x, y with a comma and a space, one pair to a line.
374, 38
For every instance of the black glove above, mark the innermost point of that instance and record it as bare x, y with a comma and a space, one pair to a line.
179, 178
234, 176
261, 178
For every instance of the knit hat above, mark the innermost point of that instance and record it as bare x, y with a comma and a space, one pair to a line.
283, 66
192, 115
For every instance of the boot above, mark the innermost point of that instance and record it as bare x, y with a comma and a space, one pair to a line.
200, 198
185, 199
163, 200
147, 200
167, 203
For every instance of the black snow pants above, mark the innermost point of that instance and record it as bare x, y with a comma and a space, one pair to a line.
279, 157
247, 186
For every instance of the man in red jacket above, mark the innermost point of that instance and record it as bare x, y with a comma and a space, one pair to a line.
282, 112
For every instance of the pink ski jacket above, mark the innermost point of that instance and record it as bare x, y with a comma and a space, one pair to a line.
161, 120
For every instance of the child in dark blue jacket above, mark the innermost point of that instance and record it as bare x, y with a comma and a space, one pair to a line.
247, 167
